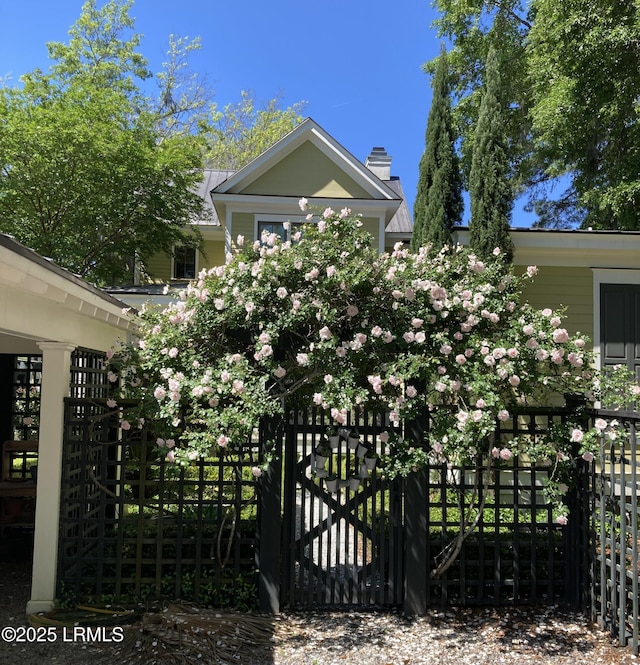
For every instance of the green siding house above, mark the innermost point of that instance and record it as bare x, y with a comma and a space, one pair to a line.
265, 194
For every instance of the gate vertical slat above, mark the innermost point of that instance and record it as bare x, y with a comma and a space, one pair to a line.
289, 510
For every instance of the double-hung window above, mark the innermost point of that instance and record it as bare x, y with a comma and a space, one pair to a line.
184, 262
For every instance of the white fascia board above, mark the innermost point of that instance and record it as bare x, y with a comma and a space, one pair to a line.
358, 171
261, 164
587, 249
289, 205
24, 275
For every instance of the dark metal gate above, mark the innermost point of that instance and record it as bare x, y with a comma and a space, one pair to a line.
342, 523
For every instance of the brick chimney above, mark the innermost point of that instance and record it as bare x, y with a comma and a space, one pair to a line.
379, 163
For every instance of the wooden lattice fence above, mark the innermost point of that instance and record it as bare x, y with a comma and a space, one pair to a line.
134, 526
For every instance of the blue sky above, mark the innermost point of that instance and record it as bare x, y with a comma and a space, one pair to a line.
356, 63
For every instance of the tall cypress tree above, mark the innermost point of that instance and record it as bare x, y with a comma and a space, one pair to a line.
438, 205
489, 187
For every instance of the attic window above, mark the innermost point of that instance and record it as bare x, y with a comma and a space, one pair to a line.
184, 262
286, 230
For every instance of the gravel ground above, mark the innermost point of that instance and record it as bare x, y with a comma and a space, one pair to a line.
479, 636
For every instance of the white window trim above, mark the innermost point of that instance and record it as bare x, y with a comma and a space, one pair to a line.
173, 264
607, 276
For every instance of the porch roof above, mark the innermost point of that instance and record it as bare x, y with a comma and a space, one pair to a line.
40, 301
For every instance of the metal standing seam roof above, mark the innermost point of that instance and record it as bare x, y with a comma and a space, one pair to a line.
401, 222
210, 180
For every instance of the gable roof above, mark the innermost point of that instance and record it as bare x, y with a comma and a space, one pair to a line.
307, 132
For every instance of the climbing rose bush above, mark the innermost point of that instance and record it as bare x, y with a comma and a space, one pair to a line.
326, 320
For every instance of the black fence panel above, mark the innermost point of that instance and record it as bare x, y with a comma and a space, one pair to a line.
518, 553
614, 509
134, 526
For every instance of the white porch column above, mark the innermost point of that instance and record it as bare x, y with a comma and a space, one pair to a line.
56, 372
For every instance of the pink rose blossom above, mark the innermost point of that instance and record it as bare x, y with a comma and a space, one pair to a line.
352, 310
576, 435
560, 335
600, 424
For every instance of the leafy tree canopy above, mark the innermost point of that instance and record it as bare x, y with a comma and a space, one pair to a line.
574, 81
96, 172
245, 129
